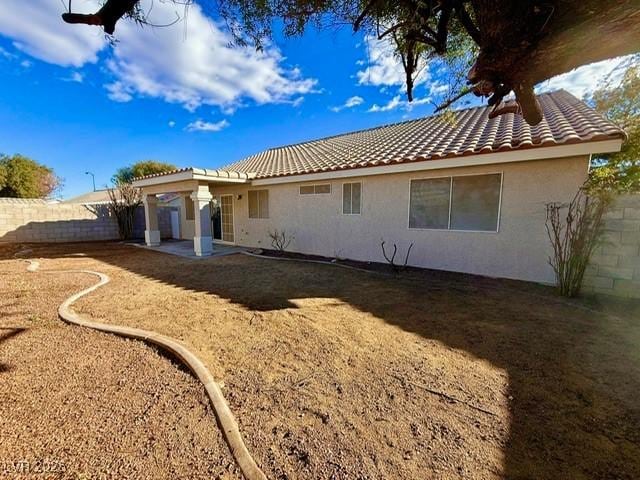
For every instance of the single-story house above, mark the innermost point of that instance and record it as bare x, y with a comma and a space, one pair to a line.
468, 192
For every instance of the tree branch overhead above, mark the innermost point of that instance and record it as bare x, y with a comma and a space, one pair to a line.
519, 43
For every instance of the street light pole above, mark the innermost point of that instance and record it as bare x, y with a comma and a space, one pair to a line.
93, 178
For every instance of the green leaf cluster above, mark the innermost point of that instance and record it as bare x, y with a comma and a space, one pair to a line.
140, 169
22, 177
620, 172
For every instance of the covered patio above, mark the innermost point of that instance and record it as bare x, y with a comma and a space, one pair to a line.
194, 186
184, 248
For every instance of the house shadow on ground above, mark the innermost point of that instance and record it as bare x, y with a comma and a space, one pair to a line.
573, 366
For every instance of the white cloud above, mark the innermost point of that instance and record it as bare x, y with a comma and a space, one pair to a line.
118, 92
384, 70
26, 64
37, 29
398, 102
202, 126
384, 67
438, 88
76, 77
584, 80
171, 124
190, 63
6, 54
349, 103
394, 103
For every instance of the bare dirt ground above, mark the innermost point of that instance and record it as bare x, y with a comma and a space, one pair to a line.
331, 373
79, 404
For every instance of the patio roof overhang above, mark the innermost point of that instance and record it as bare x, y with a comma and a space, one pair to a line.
200, 175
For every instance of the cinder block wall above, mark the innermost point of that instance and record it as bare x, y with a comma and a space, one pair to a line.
615, 265
24, 220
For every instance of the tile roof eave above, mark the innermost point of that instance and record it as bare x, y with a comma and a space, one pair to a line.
417, 159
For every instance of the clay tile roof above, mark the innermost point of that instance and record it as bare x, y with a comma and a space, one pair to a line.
170, 172
215, 173
566, 120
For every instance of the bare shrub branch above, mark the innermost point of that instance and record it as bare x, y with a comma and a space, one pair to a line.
391, 260
280, 240
124, 200
574, 229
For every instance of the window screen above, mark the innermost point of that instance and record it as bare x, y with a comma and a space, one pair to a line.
429, 203
475, 202
263, 202
351, 198
258, 203
319, 189
469, 202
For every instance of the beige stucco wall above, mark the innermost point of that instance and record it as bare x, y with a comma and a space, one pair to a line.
519, 250
187, 227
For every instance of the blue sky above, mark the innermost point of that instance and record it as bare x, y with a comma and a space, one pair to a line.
182, 95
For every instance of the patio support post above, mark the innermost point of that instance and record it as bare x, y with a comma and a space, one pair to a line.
151, 233
202, 240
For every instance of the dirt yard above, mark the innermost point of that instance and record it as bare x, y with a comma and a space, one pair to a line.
336, 374
79, 404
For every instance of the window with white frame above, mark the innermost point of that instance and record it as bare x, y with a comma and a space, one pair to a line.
258, 203
469, 202
351, 198
319, 189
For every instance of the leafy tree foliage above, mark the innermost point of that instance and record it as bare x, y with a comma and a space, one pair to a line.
22, 177
3, 174
620, 171
140, 169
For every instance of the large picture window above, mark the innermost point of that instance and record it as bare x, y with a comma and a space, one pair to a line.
429, 203
351, 198
258, 203
469, 202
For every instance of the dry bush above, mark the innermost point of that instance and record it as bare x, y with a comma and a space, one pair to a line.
124, 200
574, 229
391, 260
280, 240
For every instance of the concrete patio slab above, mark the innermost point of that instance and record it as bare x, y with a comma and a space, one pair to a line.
184, 248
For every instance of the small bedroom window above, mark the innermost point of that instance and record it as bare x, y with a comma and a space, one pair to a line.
258, 203
351, 198
319, 189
